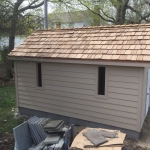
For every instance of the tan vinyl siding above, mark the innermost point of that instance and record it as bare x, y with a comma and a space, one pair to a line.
69, 90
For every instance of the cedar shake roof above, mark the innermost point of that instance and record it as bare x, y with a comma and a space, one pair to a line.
120, 42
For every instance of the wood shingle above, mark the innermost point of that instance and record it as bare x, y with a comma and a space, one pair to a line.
123, 42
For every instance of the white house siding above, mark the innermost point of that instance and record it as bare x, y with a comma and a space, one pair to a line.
69, 90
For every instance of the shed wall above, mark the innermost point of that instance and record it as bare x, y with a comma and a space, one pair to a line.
69, 90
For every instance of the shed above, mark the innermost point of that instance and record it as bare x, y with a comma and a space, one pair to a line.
95, 76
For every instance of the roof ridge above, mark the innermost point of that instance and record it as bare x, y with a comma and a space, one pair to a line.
95, 27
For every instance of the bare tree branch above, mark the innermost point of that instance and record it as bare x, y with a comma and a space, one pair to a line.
105, 19
142, 17
107, 15
31, 7
134, 10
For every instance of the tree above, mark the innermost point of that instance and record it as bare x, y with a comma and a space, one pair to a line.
120, 11
5, 14
14, 18
18, 19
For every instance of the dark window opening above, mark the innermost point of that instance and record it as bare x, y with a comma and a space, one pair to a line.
39, 75
101, 81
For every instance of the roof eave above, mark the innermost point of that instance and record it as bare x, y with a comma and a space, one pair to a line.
83, 61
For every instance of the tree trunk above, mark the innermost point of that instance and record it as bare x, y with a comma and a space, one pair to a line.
119, 18
121, 12
96, 17
9, 63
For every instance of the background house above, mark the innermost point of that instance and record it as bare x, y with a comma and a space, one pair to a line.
73, 19
95, 76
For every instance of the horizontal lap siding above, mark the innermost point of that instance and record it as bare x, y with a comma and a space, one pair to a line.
70, 90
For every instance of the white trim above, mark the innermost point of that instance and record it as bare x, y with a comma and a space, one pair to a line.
92, 62
96, 83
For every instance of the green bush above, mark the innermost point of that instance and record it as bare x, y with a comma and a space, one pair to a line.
3, 53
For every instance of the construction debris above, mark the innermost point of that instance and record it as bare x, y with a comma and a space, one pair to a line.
108, 134
95, 137
36, 128
42, 146
51, 139
54, 126
82, 143
47, 134
30, 135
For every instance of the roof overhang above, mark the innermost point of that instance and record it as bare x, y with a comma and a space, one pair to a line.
82, 61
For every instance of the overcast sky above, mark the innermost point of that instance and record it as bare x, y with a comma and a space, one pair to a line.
51, 7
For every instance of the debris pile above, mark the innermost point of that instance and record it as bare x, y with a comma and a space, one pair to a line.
54, 126
47, 134
98, 139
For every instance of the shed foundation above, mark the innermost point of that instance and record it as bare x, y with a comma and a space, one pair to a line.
75, 121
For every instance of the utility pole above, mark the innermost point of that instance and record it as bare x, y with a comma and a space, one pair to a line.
45, 15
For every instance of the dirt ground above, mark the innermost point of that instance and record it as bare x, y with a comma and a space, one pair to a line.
7, 139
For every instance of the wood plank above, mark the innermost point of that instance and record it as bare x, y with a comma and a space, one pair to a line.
83, 117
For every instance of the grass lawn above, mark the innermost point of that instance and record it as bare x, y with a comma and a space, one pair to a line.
7, 102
